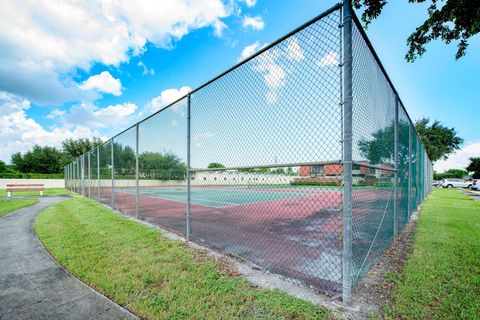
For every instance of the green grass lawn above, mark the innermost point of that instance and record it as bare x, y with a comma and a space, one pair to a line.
7, 206
152, 276
441, 278
47, 192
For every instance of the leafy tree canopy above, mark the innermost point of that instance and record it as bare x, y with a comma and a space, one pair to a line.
161, 166
214, 165
451, 173
39, 160
474, 167
448, 20
439, 140
76, 147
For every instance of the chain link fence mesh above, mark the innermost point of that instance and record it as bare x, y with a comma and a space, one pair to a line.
250, 163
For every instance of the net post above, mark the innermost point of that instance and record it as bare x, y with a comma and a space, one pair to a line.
137, 204
347, 153
113, 173
188, 167
395, 176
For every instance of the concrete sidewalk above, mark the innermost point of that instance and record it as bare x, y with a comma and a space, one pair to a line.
33, 285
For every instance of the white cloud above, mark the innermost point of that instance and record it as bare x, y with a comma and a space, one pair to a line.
250, 50
18, 132
87, 114
460, 159
47, 41
273, 73
146, 70
271, 64
166, 97
294, 51
255, 23
250, 3
55, 113
103, 83
328, 60
200, 138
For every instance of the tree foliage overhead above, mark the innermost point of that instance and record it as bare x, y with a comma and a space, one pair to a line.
448, 20
439, 140
474, 167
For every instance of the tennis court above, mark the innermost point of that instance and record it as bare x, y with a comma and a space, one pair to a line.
230, 196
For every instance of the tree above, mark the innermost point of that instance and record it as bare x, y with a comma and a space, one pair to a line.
380, 148
39, 160
451, 173
439, 140
214, 165
448, 20
74, 148
158, 166
3, 166
474, 167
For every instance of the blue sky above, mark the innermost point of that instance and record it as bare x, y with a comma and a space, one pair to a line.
73, 70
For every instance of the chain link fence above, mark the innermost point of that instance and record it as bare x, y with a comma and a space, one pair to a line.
302, 159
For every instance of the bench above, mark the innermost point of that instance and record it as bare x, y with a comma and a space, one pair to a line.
24, 187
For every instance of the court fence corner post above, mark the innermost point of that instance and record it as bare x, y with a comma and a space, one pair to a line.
137, 185
395, 175
188, 169
347, 153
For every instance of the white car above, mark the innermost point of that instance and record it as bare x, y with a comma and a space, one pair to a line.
476, 184
456, 183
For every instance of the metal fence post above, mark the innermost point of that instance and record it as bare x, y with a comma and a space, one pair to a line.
137, 200
347, 154
113, 174
188, 167
98, 173
82, 173
410, 171
89, 177
395, 177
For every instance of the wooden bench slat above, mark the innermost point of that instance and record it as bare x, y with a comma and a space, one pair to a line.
25, 189
26, 185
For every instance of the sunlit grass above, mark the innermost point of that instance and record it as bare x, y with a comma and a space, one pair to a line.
7, 206
441, 279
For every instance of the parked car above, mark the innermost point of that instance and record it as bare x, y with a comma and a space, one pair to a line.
436, 183
476, 184
456, 183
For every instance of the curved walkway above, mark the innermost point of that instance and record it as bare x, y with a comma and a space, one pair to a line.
33, 285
